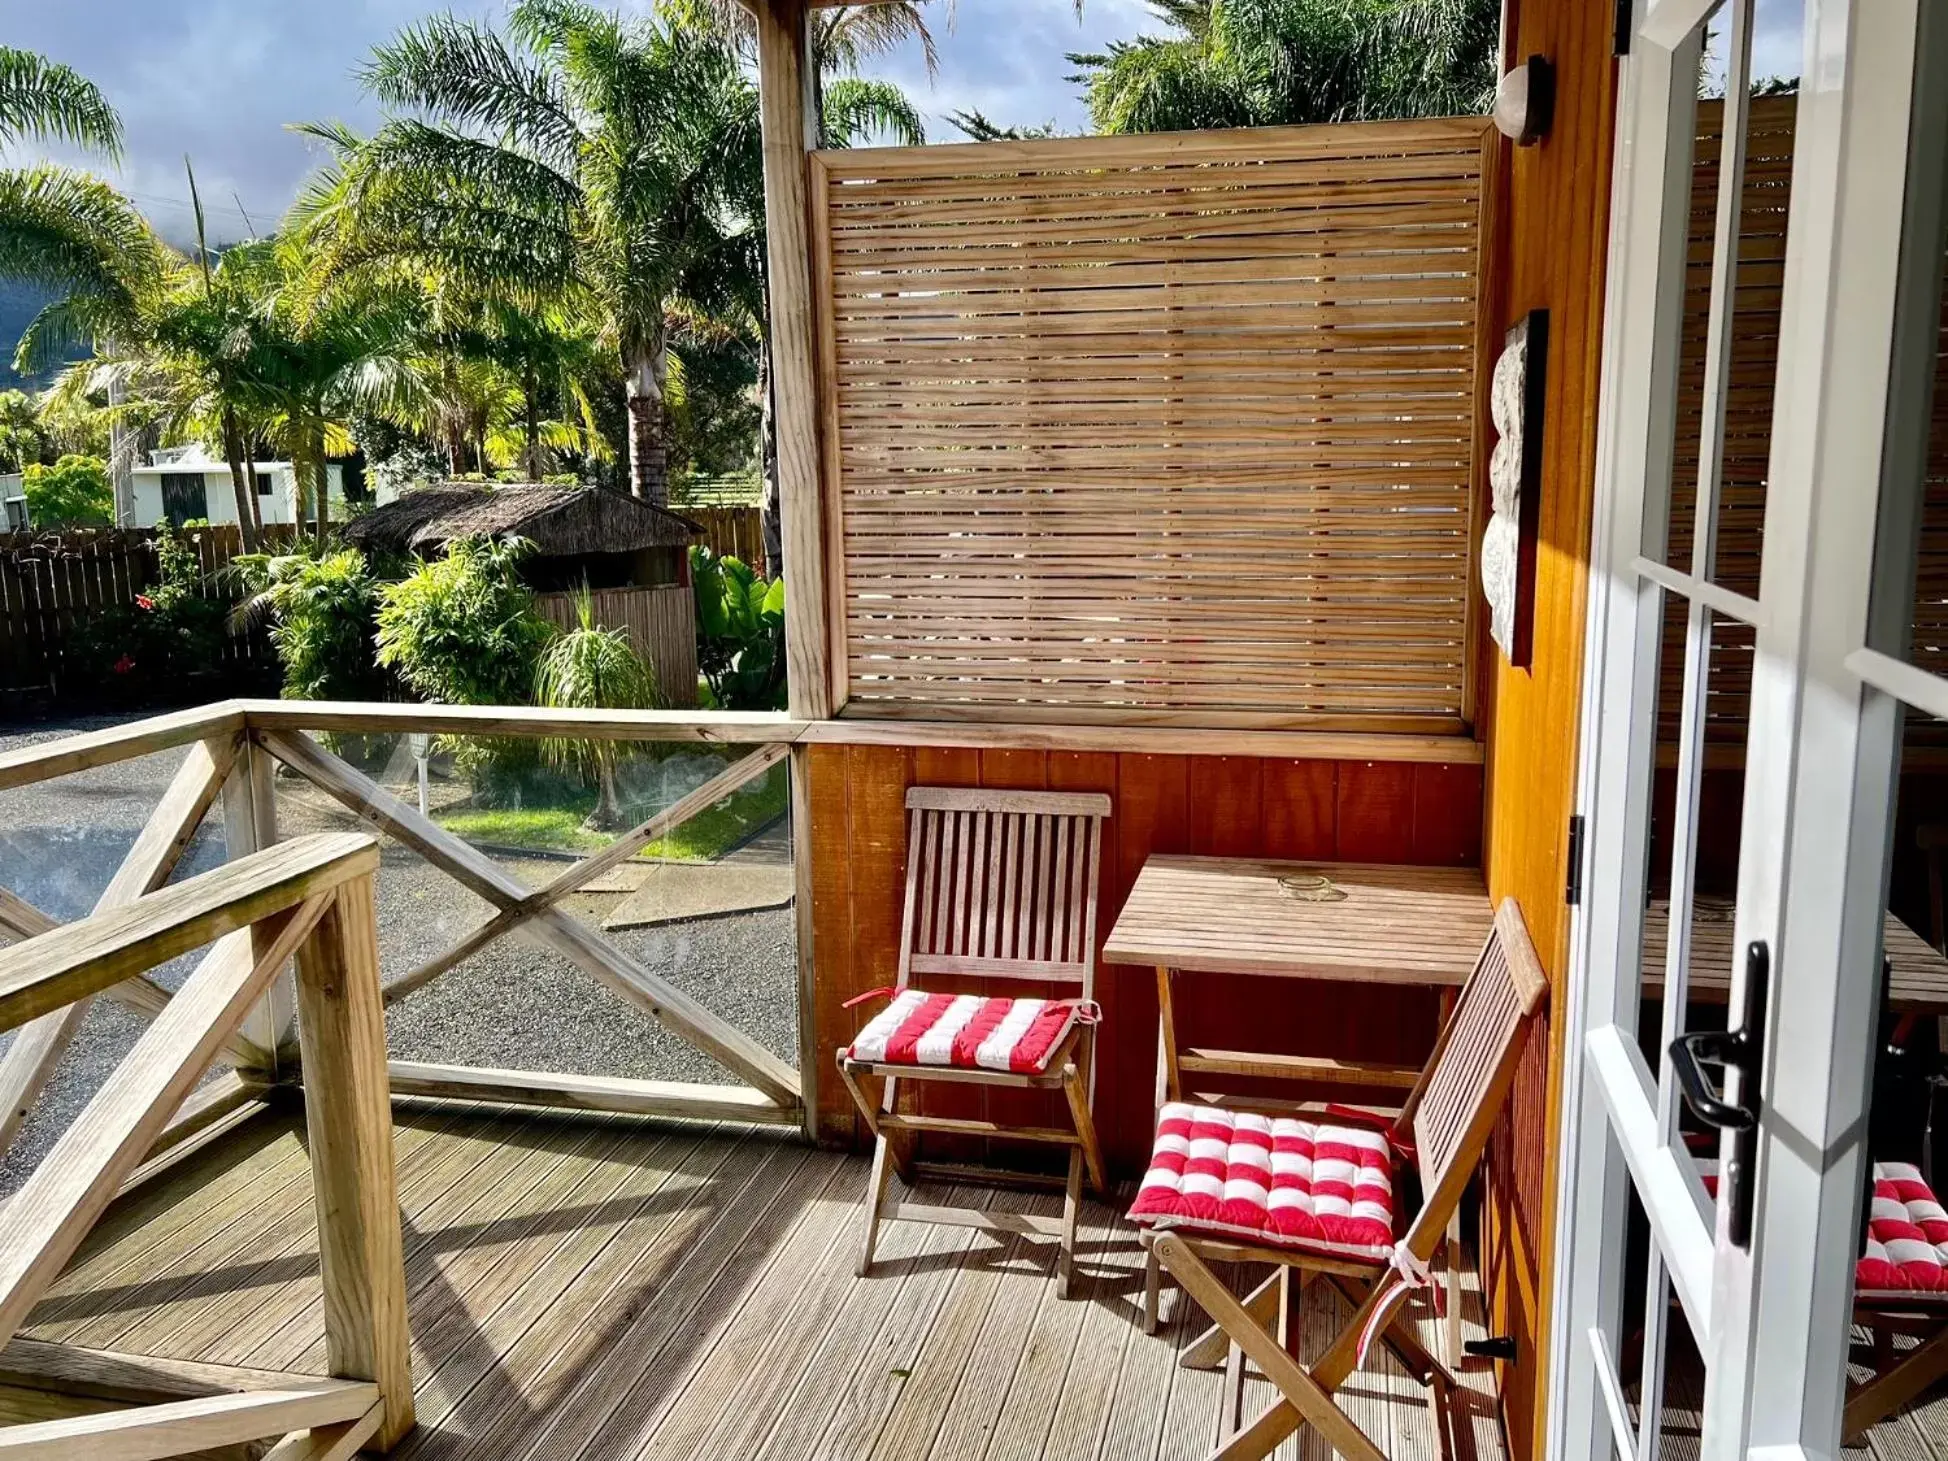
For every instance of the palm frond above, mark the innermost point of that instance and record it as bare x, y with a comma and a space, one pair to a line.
857, 110
44, 100
844, 36
471, 76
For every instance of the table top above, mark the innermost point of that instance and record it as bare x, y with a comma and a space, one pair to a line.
1919, 984
1376, 923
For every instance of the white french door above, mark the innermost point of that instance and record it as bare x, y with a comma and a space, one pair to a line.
1752, 1201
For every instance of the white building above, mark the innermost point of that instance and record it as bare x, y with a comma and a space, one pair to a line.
182, 483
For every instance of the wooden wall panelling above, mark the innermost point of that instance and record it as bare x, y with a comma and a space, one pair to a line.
1152, 814
1162, 804
1301, 809
826, 846
1556, 214
1376, 812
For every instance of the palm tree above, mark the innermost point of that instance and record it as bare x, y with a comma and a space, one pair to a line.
69, 233
1251, 63
590, 668
578, 159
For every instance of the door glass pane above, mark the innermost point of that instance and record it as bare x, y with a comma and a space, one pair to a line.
1658, 1368
1752, 344
1695, 833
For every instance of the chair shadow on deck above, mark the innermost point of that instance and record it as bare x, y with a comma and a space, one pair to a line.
604, 1287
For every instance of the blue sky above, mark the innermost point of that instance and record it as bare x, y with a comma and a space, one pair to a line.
217, 79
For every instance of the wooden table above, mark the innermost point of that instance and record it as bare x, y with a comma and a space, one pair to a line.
1918, 984
1371, 923
1377, 924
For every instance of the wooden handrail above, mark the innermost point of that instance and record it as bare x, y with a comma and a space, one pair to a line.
81, 959
119, 743
50, 759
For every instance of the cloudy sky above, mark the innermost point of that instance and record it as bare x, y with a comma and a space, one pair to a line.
217, 79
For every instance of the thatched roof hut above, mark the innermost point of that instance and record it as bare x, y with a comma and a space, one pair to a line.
561, 522
581, 535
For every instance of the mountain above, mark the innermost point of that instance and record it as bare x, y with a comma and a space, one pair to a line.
19, 303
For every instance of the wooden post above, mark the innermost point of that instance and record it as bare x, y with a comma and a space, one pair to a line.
250, 824
348, 1115
784, 80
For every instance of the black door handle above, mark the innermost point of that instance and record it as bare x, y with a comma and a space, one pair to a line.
1742, 1050
1691, 1053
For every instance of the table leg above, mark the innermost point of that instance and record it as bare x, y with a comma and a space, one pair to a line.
1170, 1085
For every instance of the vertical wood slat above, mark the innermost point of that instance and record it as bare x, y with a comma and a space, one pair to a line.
924, 830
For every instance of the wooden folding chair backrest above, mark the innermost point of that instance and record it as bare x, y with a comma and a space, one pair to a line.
1454, 1107
1002, 884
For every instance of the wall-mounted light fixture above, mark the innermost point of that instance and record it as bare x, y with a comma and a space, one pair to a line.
1525, 102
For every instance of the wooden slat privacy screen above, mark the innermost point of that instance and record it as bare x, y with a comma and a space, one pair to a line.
1155, 428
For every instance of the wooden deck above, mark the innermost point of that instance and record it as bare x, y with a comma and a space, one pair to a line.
606, 1287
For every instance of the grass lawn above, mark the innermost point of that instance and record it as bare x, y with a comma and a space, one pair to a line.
558, 828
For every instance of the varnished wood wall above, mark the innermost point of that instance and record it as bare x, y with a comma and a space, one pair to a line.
1243, 806
1556, 218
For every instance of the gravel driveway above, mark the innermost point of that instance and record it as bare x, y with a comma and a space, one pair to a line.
510, 1005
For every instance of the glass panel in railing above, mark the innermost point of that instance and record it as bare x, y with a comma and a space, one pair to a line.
63, 840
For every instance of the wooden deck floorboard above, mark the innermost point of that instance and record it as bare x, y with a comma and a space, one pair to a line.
602, 1288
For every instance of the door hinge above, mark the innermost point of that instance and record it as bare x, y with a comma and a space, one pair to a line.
1624, 23
1572, 893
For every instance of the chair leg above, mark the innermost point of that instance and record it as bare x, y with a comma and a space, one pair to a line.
1207, 1351
1152, 1290
1451, 1321
875, 1201
1085, 1126
1071, 1210
1888, 1391
1311, 1400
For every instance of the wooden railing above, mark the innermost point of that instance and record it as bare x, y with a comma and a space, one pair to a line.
235, 746
310, 898
233, 750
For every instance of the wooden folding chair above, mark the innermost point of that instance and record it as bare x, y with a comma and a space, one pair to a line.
1000, 885
1309, 1190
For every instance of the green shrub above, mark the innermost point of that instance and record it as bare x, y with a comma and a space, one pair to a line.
149, 650
323, 611
74, 492
740, 632
461, 630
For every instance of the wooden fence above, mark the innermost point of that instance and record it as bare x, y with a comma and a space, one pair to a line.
662, 624
1173, 428
49, 582
736, 531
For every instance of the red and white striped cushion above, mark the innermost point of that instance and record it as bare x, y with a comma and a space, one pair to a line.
967, 1030
1907, 1236
1906, 1240
1298, 1184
